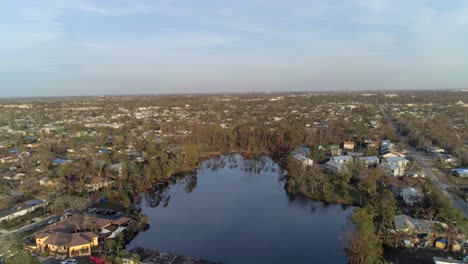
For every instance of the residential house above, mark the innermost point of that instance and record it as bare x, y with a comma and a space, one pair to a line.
348, 145
78, 234
338, 164
408, 224
346, 159
410, 195
22, 209
9, 158
45, 181
97, 184
67, 244
399, 161
335, 150
370, 161
394, 166
392, 169
303, 159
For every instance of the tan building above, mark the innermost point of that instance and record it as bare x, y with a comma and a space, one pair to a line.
70, 245
77, 235
348, 145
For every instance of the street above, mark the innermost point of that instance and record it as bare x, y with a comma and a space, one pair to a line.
38, 223
430, 172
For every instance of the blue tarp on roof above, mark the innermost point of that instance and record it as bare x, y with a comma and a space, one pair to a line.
104, 151
14, 151
58, 161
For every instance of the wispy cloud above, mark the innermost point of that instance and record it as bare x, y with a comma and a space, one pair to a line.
297, 44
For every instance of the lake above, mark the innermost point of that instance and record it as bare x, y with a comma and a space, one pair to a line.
236, 210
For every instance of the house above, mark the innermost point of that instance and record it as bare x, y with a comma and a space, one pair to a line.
392, 169
336, 167
116, 168
399, 161
347, 159
410, 196
338, 164
391, 154
335, 150
354, 154
9, 158
408, 224
348, 145
78, 234
388, 150
96, 184
303, 159
45, 181
460, 172
394, 166
369, 161
22, 209
67, 244
386, 142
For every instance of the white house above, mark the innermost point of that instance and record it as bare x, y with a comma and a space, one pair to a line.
394, 166
347, 159
338, 164
303, 159
410, 195
399, 161
96, 185
369, 161
392, 169
22, 209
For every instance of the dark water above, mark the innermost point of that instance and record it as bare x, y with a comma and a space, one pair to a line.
236, 210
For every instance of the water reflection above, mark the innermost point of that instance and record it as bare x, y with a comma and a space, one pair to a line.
236, 210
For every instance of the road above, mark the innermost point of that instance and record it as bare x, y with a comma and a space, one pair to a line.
430, 172
34, 226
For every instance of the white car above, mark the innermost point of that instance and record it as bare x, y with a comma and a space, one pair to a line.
69, 261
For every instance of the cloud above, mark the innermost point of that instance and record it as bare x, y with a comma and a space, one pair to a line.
240, 45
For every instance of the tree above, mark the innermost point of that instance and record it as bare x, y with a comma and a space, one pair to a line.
361, 242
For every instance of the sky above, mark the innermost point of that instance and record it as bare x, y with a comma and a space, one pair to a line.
104, 47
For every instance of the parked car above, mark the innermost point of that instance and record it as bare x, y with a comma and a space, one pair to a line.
51, 221
92, 210
69, 261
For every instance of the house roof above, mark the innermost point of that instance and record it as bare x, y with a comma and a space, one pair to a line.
70, 240
25, 205
408, 223
370, 158
345, 158
121, 221
410, 191
76, 221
